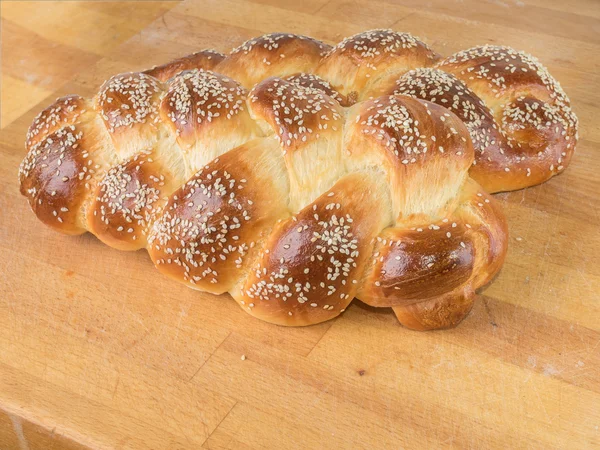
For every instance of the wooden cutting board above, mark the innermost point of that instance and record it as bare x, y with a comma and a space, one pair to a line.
98, 350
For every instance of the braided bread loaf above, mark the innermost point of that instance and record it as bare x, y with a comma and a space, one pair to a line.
297, 176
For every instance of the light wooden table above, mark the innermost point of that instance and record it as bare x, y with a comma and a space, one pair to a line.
45, 43
98, 350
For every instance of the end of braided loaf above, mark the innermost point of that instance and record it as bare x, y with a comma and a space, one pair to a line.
535, 128
297, 176
65, 146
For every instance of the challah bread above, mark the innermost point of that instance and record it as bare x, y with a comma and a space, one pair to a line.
302, 193
205, 59
276, 54
518, 116
359, 64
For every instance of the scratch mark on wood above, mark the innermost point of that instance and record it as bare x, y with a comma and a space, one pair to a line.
489, 313
220, 422
321, 7
18, 427
210, 356
401, 19
319, 340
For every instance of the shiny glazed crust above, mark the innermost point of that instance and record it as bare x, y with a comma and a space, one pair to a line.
297, 176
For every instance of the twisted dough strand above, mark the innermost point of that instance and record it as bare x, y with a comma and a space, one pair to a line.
302, 194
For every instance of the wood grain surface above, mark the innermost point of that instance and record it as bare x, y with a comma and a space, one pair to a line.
98, 350
45, 43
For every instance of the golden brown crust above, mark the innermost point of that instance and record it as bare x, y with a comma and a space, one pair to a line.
128, 199
445, 311
497, 71
525, 145
64, 111
214, 222
205, 59
307, 124
480, 212
198, 99
444, 89
296, 114
432, 270
410, 133
421, 147
129, 105
65, 156
50, 178
309, 270
410, 265
272, 55
531, 109
309, 80
207, 113
283, 170
360, 63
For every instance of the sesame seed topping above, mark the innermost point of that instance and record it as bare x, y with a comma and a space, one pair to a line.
209, 237
201, 231
374, 45
296, 113
128, 99
202, 97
